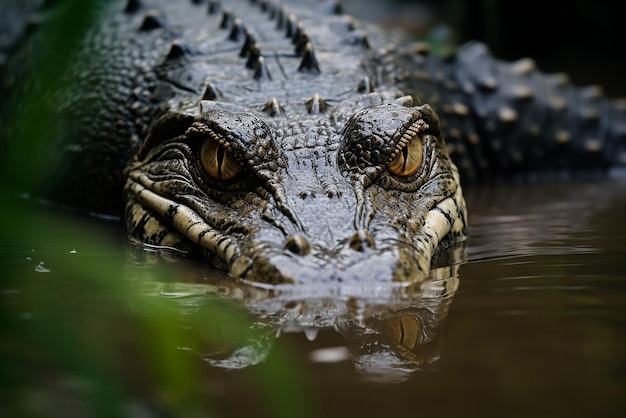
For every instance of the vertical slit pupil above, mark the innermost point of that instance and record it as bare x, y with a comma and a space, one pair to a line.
220, 159
405, 155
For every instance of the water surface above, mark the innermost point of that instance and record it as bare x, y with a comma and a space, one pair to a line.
532, 325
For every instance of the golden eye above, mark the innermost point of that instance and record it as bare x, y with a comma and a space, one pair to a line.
217, 161
408, 160
404, 330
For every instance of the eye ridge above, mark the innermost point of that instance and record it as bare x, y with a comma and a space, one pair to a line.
386, 137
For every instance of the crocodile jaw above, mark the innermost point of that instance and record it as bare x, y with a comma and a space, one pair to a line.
317, 248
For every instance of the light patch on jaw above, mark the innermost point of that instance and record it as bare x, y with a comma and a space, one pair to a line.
437, 224
185, 220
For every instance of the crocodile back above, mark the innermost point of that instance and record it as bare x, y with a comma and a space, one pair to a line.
88, 81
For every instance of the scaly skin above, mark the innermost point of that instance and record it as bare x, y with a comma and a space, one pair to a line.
291, 146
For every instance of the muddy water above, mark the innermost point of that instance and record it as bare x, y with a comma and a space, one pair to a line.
533, 324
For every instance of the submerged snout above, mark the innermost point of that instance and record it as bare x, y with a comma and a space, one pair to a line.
349, 240
336, 237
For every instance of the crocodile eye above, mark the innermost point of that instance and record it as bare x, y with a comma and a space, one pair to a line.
408, 159
217, 161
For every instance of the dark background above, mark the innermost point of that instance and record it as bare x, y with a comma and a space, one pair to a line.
584, 38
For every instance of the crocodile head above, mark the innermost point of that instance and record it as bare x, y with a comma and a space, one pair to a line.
361, 192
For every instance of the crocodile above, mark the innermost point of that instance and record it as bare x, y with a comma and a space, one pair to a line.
288, 142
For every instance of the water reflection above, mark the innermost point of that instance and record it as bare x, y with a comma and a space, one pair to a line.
543, 290
390, 331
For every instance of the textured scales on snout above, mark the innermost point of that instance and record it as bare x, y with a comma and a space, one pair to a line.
369, 198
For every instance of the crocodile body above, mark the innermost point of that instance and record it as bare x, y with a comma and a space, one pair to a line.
290, 143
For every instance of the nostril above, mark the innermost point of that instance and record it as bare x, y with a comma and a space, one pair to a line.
361, 241
298, 245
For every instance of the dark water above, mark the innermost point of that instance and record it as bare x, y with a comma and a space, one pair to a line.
532, 325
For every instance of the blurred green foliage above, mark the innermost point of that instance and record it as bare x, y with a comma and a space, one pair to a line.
77, 327
78, 334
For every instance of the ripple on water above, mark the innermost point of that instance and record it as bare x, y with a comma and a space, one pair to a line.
545, 249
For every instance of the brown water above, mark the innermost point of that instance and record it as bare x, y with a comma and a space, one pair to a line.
532, 325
